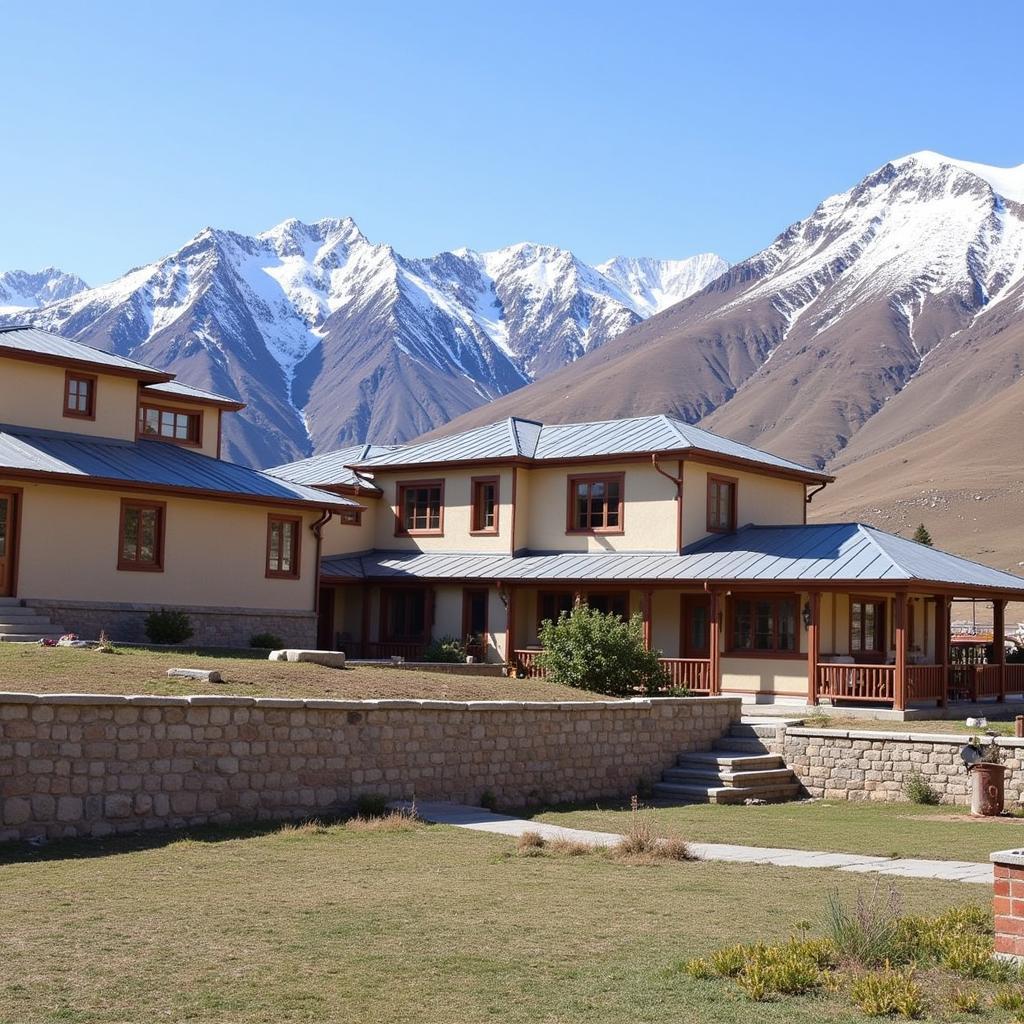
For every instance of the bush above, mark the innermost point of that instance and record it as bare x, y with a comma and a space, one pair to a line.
918, 790
870, 934
448, 649
889, 991
371, 805
598, 651
266, 641
168, 626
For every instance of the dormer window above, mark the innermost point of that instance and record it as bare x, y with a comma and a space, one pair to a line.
721, 504
80, 395
169, 424
420, 508
485, 504
595, 503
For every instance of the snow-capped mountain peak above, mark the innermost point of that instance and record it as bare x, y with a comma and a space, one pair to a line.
22, 289
1007, 182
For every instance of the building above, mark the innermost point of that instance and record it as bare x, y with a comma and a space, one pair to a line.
483, 534
114, 502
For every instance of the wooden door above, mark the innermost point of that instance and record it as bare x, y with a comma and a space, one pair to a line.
8, 541
695, 626
474, 621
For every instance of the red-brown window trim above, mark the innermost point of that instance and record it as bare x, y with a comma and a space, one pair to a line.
401, 487
753, 652
387, 599
193, 414
130, 565
93, 381
350, 517
296, 570
882, 629
475, 483
730, 481
570, 505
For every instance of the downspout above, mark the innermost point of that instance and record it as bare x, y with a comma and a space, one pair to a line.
678, 481
318, 529
809, 497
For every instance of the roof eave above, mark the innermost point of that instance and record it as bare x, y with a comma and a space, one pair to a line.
148, 375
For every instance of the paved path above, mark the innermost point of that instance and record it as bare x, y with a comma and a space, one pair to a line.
481, 820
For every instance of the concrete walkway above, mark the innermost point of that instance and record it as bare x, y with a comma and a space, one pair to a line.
480, 820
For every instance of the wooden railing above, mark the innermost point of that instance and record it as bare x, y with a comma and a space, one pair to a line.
986, 681
925, 682
1015, 678
693, 674
875, 683
373, 650
527, 662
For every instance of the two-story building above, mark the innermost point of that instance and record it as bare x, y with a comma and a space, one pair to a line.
114, 502
482, 535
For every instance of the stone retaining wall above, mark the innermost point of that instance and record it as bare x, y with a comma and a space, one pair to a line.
867, 765
74, 765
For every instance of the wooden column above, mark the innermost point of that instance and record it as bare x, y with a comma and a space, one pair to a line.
714, 644
899, 702
999, 643
813, 648
942, 643
510, 629
646, 600
364, 626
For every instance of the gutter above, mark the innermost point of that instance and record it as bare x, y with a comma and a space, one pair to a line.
678, 481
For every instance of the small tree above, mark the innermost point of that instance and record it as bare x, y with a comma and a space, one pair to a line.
598, 651
922, 536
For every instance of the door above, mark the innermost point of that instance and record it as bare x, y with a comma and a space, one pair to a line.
474, 621
8, 541
695, 627
325, 640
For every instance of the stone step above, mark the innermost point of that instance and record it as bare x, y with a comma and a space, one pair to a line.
768, 777
739, 746
21, 623
751, 730
697, 793
27, 638
700, 760
10, 602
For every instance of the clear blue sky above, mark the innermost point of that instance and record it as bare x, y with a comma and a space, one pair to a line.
655, 129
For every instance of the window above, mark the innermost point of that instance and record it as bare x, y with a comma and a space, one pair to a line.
171, 424
80, 395
474, 620
595, 504
867, 627
721, 504
551, 604
616, 602
141, 536
351, 516
421, 508
485, 504
764, 624
283, 534
404, 614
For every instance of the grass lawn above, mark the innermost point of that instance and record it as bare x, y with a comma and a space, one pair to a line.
133, 670
432, 925
1003, 725
900, 830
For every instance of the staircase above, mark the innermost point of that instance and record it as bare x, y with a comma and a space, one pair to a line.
21, 625
739, 767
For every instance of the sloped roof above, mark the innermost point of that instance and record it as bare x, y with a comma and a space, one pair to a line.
176, 389
145, 463
525, 439
19, 341
331, 468
821, 553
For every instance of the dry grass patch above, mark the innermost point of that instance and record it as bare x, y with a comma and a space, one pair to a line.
397, 819
641, 844
533, 844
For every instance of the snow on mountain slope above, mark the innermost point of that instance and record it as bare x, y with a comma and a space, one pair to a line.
657, 284
22, 289
330, 338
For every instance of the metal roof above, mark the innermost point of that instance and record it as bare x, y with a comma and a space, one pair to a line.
176, 389
32, 340
152, 463
331, 468
525, 439
823, 553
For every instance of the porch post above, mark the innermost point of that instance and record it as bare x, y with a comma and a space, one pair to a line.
942, 643
645, 608
813, 648
899, 701
364, 625
999, 643
510, 628
714, 645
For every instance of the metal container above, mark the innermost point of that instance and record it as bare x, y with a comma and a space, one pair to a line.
987, 795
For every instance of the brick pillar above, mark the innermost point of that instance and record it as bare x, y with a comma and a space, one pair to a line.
1008, 904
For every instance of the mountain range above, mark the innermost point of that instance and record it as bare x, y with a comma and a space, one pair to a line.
330, 338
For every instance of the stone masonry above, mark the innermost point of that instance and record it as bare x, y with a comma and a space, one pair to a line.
83, 765
861, 765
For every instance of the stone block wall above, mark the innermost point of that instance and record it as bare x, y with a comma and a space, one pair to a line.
213, 627
74, 765
868, 765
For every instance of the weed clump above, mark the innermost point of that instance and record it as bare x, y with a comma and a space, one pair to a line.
918, 790
890, 991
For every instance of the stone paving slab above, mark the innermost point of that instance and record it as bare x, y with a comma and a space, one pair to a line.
480, 819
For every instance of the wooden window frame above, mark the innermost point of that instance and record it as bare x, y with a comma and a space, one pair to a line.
467, 595
570, 504
401, 486
881, 631
129, 565
296, 570
176, 411
541, 594
93, 381
475, 483
350, 517
387, 596
686, 602
729, 481
774, 652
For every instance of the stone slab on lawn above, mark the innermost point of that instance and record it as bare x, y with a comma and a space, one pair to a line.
332, 659
201, 675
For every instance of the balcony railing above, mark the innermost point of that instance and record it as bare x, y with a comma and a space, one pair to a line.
693, 674
871, 683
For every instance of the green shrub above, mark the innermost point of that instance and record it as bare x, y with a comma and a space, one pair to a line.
918, 790
598, 651
887, 992
871, 933
1011, 999
266, 641
756, 981
371, 805
700, 968
965, 1000
728, 962
168, 626
448, 649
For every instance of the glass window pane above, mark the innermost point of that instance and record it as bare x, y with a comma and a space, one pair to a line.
763, 626
130, 537
786, 625
742, 630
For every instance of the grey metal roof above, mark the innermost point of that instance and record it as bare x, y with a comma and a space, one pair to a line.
38, 342
823, 553
516, 438
153, 463
176, 389
331, 468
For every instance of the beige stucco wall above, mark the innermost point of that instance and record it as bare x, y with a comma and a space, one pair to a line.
764, 675
344, 539
32, 395
215, 552
457, 512
761, 500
